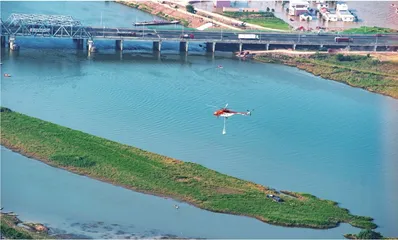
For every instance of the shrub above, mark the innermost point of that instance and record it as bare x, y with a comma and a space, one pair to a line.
190, 8
73, 160
369, 234
4, 109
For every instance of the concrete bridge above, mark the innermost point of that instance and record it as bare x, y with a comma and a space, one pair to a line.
56, 26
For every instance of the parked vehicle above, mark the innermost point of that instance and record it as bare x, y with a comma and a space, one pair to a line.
191, 36
248, 36
343, 39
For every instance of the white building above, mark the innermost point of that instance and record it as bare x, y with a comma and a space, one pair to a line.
345, 16
341, 7
298, 7
320, 1
330, 15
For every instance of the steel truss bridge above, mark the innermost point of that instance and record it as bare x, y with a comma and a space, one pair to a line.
39, 25
58, 26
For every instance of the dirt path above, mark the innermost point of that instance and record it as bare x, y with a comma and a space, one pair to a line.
382, 56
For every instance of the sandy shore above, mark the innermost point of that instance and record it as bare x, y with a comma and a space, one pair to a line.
382, 56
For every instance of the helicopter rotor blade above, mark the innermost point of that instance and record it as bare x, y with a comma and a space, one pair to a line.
212, 106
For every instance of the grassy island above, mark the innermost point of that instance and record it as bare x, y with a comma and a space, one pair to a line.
362, 71
151, 173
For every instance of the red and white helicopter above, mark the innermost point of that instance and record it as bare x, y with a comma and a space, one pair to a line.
226, 113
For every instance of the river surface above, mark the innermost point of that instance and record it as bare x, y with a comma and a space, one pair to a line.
306, 134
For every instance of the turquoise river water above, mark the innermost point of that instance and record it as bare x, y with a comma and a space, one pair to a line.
306, 134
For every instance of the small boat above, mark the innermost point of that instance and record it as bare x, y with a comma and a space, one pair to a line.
219, 66
7, 75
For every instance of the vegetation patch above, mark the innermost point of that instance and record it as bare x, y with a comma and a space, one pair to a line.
10, 230
369, 30
264, 19
365, 234
73, 160
159, 175
355, 70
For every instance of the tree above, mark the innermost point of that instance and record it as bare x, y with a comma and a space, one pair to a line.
268, 9
190, 8
340, 57
369, 234
273, 10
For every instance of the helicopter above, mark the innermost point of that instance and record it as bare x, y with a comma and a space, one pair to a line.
226, 113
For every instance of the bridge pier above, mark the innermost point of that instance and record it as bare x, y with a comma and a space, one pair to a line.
79, 43
157, 56
157, 46
119, 45
90, 46
3, 41
184, 57
183, 46
12, 44
321, 46
294, 47
375, 48
240, 47
267, 46
211, 47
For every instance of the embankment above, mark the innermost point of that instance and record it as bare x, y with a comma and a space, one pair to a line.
363, 71
10, 229
154, 174
173, 11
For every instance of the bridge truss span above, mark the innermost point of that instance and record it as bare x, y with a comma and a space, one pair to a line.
39, 25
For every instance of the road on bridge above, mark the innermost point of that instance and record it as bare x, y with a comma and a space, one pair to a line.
227, 36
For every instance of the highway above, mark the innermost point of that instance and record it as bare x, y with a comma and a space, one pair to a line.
142, 34
227, 36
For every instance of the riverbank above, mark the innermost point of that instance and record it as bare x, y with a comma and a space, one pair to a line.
154, 174
173, 11
363, 70
369, 30
13, 228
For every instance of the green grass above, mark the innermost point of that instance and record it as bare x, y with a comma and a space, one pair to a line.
272, 22
369, 30
10, 230
159, 175
264, 19
358, 71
